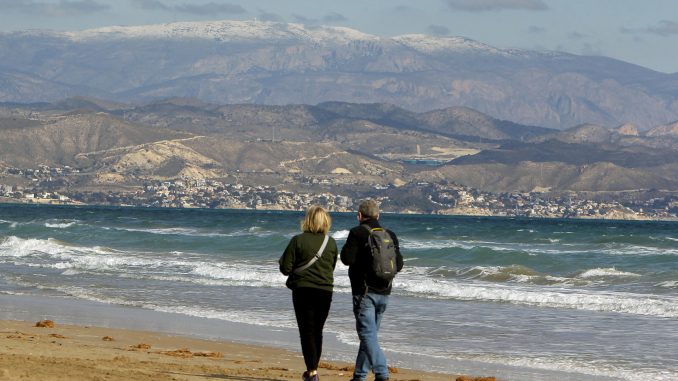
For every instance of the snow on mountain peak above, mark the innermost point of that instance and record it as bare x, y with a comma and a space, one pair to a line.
226, 31
429, 44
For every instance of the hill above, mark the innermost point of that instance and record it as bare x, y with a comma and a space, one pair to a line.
337, 144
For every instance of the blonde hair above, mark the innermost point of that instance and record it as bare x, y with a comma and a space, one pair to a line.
317, 220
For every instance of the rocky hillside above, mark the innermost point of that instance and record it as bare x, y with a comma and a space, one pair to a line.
337, 144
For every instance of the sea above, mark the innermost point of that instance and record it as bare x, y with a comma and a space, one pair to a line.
514, 298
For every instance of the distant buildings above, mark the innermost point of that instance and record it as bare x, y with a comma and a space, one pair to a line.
450, 199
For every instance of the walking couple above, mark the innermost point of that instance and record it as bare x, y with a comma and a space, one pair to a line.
309, 262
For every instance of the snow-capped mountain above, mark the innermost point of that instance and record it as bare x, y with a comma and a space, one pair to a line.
225, 31
278, 63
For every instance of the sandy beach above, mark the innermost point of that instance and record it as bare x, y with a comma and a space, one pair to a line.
69, 352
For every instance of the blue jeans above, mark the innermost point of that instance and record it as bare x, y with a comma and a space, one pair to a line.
368, 310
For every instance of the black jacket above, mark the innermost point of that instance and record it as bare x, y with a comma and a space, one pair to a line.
356, 255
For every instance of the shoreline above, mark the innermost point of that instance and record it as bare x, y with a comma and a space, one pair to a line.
263, 353
146, 346
636, 218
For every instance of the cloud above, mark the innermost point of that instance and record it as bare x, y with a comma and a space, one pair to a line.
438, 30
270, 16
533, 29
304, 20
495, 5
61, 8
591, 50
576, 36
209, 8
152, 5
333, 17
665, 28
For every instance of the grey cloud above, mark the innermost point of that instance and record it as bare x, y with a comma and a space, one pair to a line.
304, 20
334, 17
494, 5
665, 28
576, 36
536, 29
151, 5
590, 50
63, 7
270, 16
83, 6
210, 8
438, 30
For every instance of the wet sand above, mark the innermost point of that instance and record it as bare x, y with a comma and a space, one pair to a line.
70, 352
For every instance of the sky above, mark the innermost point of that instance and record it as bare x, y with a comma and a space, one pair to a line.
643, 32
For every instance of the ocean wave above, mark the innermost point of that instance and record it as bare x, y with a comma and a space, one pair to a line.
638, 304
174, 231
64, 256
571, 364
525, 285
503, 274
449, 244
261, 318
60, 224
668, 284
12, 224
605, 273
13, 246
340, 234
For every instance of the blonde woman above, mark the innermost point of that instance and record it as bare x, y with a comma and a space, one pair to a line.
309, 261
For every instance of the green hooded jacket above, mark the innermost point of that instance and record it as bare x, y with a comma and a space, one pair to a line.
299, 251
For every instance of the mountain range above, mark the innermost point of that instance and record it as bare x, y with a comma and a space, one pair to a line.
265, 63
119, 145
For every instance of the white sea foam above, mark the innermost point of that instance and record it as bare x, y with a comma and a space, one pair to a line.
60, 224
416, 281
606, 272
572, 365
64, 256
262, 318
19, 247
640, 304
340, 234
668, 284
175, 231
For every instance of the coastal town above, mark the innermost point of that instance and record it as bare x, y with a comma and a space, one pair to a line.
46, 186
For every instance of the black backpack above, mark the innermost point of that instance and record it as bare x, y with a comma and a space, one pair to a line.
384, 265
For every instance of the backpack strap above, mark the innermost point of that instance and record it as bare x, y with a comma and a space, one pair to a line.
315, 257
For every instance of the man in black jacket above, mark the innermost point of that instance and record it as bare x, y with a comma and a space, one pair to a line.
370, 297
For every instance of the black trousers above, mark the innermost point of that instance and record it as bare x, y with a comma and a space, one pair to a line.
311, 306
